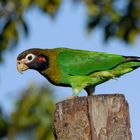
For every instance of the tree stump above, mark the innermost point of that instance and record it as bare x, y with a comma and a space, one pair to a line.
99, 117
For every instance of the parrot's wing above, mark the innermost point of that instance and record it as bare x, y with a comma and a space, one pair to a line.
78, 62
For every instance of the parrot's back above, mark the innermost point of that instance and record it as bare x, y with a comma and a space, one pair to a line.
80, 62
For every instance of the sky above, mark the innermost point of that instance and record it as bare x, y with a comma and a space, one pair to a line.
68, 30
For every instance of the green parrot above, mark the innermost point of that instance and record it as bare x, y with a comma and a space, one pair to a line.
79, 69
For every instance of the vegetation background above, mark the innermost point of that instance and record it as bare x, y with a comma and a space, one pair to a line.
27, 102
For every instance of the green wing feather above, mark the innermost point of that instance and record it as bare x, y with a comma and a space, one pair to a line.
80, 62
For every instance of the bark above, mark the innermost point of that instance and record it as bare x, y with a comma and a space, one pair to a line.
99, 117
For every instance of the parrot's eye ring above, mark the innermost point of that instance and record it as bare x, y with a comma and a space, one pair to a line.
29, 58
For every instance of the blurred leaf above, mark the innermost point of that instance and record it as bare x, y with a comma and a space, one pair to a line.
12, 19
3, 125
25, 27
35, 112
117, 18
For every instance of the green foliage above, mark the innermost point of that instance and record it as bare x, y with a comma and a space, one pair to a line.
12, 22
3, 125
117, 18
34, 114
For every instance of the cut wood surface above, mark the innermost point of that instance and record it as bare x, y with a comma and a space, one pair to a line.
98, 117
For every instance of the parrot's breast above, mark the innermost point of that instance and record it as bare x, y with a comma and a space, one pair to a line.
52, 73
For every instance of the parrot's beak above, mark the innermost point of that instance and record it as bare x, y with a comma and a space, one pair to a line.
21, 66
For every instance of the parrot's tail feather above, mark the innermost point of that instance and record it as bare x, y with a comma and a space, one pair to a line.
132, 58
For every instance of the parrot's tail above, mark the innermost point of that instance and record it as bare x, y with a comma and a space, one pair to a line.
132, 58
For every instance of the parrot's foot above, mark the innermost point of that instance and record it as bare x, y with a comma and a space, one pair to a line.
72, 97
90, 90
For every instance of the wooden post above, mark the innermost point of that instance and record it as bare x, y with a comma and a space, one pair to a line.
99, 117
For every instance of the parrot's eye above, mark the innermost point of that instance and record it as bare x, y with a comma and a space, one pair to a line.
29, 58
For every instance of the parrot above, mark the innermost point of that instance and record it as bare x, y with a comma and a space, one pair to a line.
79, 69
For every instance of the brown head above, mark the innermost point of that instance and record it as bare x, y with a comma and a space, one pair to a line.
32, 59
